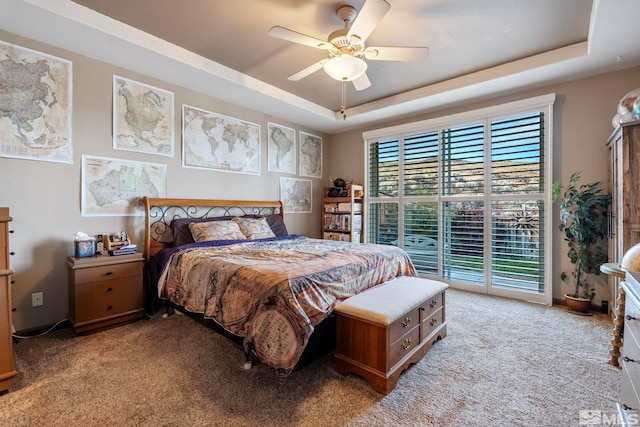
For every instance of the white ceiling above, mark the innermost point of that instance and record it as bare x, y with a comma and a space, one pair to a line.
221, 48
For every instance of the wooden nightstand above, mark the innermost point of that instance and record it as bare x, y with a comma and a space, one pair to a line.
105, 291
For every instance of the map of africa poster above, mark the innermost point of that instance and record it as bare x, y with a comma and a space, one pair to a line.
221, 143
310, 155
142, 118
35, 105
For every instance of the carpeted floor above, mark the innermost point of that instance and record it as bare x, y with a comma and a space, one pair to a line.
503, 363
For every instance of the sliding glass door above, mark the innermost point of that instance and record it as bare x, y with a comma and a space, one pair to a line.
468, 202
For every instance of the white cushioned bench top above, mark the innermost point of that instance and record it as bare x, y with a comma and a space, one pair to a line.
389, 301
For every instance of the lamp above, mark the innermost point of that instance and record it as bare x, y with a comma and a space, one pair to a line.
345, 67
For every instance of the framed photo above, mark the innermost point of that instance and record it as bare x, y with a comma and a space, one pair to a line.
310, 155
282, 148
142, 118
114, 187
220, 143
35, 100
296, 195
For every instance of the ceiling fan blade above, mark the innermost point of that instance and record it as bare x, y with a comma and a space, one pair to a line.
362, 82
307, 71
293, 36
382, 53
370, 15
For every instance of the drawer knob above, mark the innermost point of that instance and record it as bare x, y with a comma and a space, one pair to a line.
629, 317
406, 344
12, 231
406, 322
12, 253
108, 273
628, 359
13, 282
433, 303
109, 307
433, 321
109, 289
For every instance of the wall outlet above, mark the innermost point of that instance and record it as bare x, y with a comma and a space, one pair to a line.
36, 299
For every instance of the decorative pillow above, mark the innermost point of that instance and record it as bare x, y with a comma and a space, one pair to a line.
215, 230
277, 225
180, 227
254, 228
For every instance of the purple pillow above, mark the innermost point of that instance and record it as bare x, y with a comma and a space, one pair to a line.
277, 225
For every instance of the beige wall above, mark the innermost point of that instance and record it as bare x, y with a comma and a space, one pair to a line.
45, 197
582, 124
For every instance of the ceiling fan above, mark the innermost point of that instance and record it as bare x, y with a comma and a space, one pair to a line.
346, 48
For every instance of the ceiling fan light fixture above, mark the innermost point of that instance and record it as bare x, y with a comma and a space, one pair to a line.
345, 67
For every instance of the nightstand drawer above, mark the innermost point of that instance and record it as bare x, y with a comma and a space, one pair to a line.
108, 272
108, 298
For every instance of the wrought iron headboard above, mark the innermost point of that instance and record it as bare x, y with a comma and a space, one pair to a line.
159, 212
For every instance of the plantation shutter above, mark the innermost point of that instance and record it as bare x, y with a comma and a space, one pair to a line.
384, 172
467, 196
517, 211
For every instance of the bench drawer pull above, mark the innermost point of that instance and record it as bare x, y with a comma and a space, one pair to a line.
433, 321
406, 322
406, 345
433, 303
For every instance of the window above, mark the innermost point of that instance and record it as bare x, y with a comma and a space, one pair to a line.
468, 196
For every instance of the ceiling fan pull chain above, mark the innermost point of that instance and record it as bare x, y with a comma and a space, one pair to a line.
343, 108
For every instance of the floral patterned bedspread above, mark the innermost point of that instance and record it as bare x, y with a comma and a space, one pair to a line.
273, 293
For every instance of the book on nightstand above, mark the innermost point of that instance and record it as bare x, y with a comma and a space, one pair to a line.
124, 250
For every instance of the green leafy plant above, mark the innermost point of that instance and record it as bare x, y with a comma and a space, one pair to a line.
583, 220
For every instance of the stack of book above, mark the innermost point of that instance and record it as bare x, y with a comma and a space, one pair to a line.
124, 250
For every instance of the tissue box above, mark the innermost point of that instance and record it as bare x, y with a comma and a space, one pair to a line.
85, 248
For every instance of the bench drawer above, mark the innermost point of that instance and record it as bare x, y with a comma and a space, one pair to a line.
405, 323
404, 346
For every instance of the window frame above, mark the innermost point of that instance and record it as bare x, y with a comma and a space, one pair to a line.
486, 115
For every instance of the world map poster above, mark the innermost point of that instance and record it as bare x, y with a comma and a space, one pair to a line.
114, 187
35, 105
213, 141
142, 118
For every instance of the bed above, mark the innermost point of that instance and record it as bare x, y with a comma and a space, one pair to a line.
272, 290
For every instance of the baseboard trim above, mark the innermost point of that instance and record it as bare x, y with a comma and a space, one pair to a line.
34, 332
594, 307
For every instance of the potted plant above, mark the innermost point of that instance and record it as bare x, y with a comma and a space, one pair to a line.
583, 220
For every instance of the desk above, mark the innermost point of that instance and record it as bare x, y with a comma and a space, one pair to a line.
614, 269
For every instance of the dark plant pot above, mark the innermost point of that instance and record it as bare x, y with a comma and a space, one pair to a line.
580, 305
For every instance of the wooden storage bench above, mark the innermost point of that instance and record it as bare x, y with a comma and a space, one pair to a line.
383, 330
